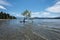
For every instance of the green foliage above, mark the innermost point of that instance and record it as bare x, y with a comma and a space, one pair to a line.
26, 13
4, 15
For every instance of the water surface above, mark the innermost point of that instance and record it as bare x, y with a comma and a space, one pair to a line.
39, 29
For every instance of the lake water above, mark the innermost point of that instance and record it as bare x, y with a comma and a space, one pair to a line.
39, 22
48, 22
48, 29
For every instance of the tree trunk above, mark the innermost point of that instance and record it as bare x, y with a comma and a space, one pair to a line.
24, 20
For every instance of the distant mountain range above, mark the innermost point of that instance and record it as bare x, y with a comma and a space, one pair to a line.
46, 18
40, 18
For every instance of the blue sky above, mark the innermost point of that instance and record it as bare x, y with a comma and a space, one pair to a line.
38, 8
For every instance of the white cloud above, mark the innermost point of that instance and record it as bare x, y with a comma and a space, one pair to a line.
55, 8
49, 12
43, 14
40, 14
35, 14
4, 2
2, 7
16, 14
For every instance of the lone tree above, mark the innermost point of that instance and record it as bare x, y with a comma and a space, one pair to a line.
26, 14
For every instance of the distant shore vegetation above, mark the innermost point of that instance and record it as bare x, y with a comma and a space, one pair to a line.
4, 15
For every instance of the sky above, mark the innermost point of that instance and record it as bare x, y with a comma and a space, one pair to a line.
38, 8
